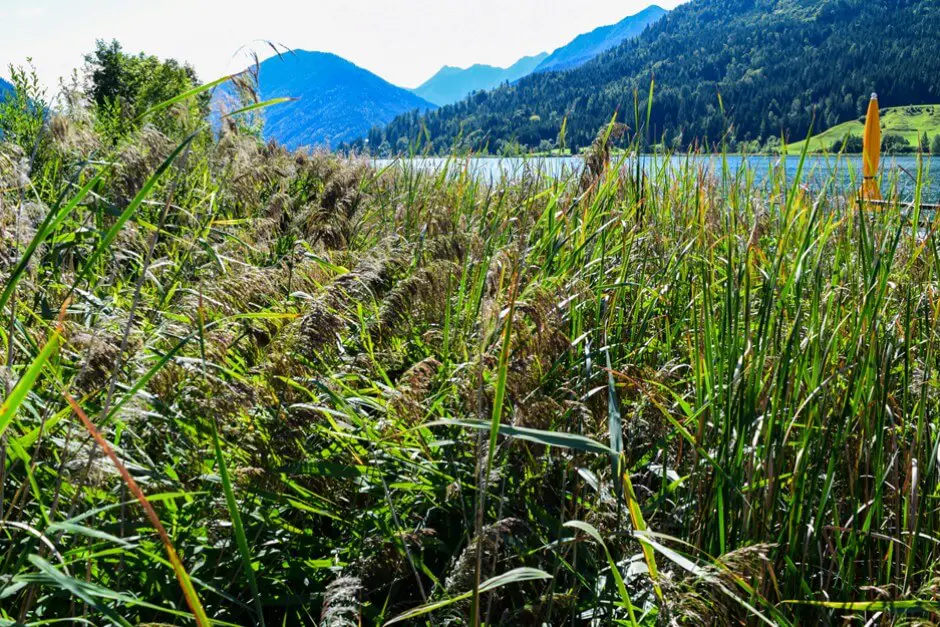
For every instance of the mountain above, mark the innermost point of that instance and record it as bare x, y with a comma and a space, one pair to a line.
585, 47
337, 101
451, 84
779, 67
5, 87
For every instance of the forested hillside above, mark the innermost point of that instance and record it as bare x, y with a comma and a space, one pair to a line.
585, 47
740, 70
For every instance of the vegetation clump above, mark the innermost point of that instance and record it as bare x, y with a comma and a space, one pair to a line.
250, 386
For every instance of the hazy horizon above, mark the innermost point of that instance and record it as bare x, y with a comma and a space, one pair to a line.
403, 42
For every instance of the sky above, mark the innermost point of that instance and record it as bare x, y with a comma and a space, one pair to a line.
403, 41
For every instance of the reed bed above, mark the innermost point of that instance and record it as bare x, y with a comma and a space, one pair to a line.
248, 386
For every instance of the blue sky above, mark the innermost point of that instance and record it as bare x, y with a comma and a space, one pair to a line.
404, 41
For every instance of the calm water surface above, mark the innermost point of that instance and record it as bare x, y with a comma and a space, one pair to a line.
838, 174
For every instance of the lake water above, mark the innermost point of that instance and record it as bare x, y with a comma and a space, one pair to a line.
840, 174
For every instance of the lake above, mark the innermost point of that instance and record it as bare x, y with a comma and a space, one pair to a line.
841, 174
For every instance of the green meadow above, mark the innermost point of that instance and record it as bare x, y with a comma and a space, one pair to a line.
910, 123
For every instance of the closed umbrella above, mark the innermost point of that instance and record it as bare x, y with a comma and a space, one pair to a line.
871, 151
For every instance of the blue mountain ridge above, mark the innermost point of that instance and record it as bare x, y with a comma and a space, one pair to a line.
452, 84
585, 47
336, 101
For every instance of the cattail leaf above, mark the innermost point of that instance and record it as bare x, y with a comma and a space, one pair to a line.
587, 528
195, 91
324, 469
153, 498
258, 105
97, 534
595, 535
78, 588
673, 556
18, 394
517, 575
907, 605
238, 527
538, 436
623, 483
189, 592
92, 593
648, 539
614, 424
266, 315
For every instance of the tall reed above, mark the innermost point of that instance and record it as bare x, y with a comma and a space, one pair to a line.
648, 392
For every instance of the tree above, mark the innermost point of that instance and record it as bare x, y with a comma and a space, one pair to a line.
851, 144
546, 146
123, 86
23, 110
924, 146
935, 145
894, 143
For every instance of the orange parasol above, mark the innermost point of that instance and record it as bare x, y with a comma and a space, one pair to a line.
871, 151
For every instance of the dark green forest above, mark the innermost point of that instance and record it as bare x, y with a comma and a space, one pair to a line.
744, 72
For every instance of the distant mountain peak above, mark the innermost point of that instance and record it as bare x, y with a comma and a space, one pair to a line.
451, 84
586, 46
337, 101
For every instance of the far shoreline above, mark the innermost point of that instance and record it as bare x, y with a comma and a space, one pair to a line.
646, 154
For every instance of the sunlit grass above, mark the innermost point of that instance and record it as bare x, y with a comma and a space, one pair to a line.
349, 395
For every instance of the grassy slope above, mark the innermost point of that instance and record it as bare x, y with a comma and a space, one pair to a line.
909, 121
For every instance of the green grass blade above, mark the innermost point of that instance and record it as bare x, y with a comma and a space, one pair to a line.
237, 526
517, 575
49, 225
195, 91
19, 393
258, 105
614, 569
548, 438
